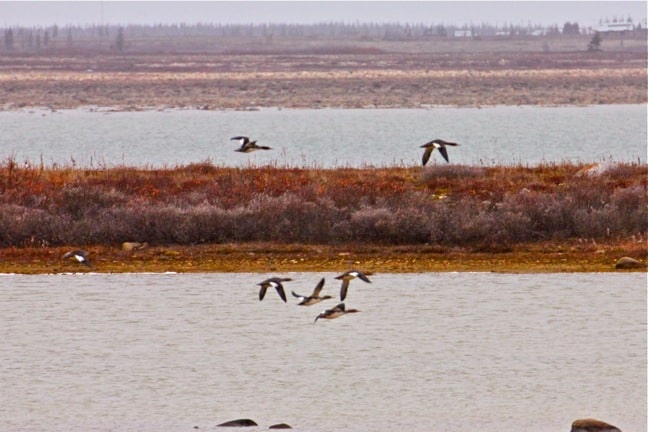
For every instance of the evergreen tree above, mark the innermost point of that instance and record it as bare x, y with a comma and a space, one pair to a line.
595, 43
119, 42
9, 39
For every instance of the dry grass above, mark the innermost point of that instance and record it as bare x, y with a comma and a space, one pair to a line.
413, 213
352, 80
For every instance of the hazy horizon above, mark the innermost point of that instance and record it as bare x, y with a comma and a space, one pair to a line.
546, 13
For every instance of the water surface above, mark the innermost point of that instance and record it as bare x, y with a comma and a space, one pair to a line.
328, 137
434, 351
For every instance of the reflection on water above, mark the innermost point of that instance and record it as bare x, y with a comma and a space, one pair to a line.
327, 138
437, 351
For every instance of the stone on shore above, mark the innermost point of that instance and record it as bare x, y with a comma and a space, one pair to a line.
238, 423
133, 246
628, 263
592, 425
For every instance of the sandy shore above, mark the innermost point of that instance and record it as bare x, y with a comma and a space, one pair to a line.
255, 257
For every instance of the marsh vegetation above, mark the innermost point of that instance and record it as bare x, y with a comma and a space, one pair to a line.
487, 208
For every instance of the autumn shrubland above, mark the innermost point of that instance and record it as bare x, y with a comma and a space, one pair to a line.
479, 209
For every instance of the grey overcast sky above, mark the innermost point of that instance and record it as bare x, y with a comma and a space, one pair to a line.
46, 13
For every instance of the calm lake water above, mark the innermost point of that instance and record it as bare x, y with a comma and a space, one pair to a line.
328, 137
427, 352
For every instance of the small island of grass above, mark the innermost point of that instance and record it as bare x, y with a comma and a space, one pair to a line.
201, 217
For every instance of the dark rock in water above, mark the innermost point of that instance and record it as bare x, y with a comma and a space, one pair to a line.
592, 425
628, 263
280, 426
238, 423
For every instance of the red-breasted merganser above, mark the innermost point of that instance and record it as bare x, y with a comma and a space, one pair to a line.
313, 298
436, 144
248, 146
79, 255
275, 283
346, 278
336, 312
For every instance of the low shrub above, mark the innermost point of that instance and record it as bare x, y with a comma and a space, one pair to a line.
485, 208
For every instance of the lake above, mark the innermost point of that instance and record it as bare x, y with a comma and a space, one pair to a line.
433, 351
326, 138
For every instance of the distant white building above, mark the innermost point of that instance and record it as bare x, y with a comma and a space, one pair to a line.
463, 33
614, 27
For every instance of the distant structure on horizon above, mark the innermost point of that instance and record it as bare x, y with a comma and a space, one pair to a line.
619, 26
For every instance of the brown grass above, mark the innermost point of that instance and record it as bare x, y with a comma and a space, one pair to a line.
224, 81
396, 218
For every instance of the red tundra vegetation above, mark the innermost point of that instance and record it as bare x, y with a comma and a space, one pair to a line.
204, 217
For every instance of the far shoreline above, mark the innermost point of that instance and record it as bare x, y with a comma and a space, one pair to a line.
152, 109
551, 257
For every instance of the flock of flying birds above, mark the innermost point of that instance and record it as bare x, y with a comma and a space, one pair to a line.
248, 146
315, 297
81, 256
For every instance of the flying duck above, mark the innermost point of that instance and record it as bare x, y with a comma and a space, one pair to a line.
248, 146
436, 144
274, 282
313, 298
79, 255
346, 278
336, 312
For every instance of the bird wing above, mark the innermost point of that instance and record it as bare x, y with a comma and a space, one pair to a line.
262, 291
297, 295
444, 153
243, 139
318, 288
281, 292
363, 277
426, 154
343, 290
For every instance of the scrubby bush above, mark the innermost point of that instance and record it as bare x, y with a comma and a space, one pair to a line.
485, 208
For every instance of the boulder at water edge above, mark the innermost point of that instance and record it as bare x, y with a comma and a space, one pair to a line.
133, 246
592, 425
628, 263
238, 423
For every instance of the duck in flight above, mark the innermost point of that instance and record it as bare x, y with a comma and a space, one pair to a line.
313, 298
78, 255
336, 312
248, 146
275, 283
346, 278
436, 144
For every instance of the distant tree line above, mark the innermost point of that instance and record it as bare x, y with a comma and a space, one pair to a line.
118, 37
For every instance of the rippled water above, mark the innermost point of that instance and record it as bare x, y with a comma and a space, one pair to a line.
435, 351
327, 138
